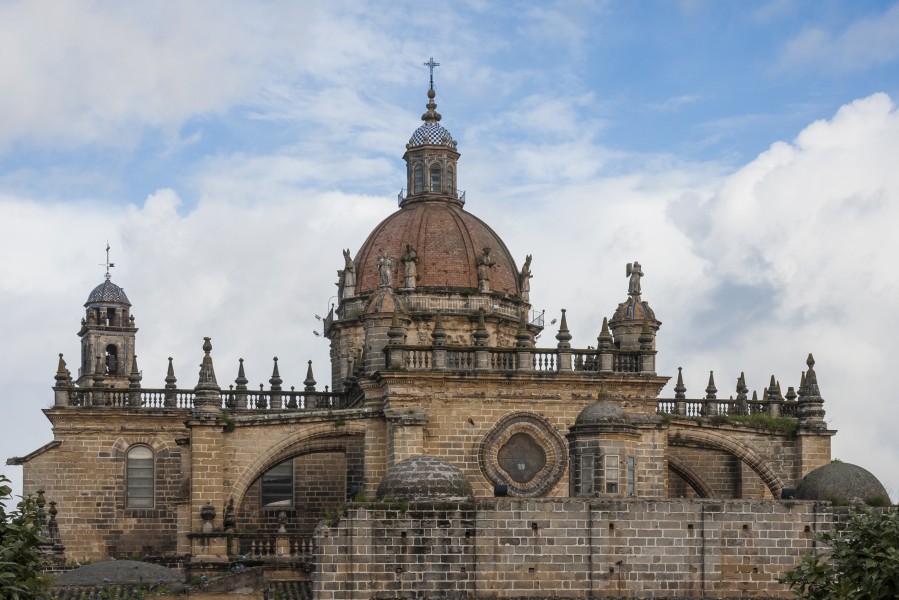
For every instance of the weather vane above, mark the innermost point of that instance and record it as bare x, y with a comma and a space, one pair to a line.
107, 264
430, 65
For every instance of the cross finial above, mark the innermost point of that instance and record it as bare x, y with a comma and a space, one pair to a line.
107, 264
430, 65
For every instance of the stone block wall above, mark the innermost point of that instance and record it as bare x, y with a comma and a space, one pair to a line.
319, 486
513, 548
85, 475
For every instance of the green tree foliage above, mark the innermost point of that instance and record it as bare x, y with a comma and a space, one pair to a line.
20, 537
861, 563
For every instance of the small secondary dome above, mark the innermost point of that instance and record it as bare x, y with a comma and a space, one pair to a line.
424, 478
842, 483
106, 293
633, 309
602, 411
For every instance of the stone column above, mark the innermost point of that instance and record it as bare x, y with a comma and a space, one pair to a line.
405, 434
207, 468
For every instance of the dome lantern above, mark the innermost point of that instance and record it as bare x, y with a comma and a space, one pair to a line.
431, 157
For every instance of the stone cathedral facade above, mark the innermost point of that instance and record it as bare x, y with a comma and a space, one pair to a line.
451, 454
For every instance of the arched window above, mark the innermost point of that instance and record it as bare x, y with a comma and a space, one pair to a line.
450, 182
112, 360
435, 178
139, 477
418, 176
277, 485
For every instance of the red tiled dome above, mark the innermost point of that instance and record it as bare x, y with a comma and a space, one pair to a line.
448, 241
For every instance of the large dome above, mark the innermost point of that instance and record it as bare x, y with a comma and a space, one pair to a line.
448, 241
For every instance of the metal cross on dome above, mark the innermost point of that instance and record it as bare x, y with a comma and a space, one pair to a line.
430, 65
107, 264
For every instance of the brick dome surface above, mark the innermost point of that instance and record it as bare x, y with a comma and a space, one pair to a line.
424, 478
448, 241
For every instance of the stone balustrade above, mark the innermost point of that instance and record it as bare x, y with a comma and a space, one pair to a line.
725, 408
474, 358
148, 398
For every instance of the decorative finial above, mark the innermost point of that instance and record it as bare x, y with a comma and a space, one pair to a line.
564, 335
711, 392
276, 380
430, 65
773, 391
207, 380
680, 389
241, 380
309, 383
135, 376
62, 377
170, 380
107, 264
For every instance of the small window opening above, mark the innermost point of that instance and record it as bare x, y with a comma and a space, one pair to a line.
450, 181
418, 177
139, 477
631, 476
587, 475
277, 485
112, 360
435, 178
611, 468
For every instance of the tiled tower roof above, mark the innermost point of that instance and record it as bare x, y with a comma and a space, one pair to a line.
107, 292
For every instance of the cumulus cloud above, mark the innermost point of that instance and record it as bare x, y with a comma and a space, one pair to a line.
805, 231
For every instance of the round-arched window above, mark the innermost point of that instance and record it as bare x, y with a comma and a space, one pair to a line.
139, 477
435, 177
418, 178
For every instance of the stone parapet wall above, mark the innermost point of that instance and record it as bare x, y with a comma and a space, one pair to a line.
579, 548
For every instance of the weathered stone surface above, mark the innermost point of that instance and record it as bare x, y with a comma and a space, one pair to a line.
841, 483
424, 478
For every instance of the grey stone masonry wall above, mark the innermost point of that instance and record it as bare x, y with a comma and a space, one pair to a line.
578, 548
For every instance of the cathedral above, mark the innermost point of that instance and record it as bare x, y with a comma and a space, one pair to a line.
450, 455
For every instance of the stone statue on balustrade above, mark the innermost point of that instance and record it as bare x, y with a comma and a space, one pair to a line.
485, 263
410, 267
385, 269
524, 280
346, 284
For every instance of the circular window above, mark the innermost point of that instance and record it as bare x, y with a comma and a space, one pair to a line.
524, 452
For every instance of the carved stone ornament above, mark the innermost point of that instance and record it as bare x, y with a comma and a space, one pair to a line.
524, 452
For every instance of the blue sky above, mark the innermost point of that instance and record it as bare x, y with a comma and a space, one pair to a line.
742, 151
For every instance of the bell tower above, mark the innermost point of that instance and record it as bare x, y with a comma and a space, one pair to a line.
107, 335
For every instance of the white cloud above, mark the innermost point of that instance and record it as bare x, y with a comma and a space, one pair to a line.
807, 232
865, 43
